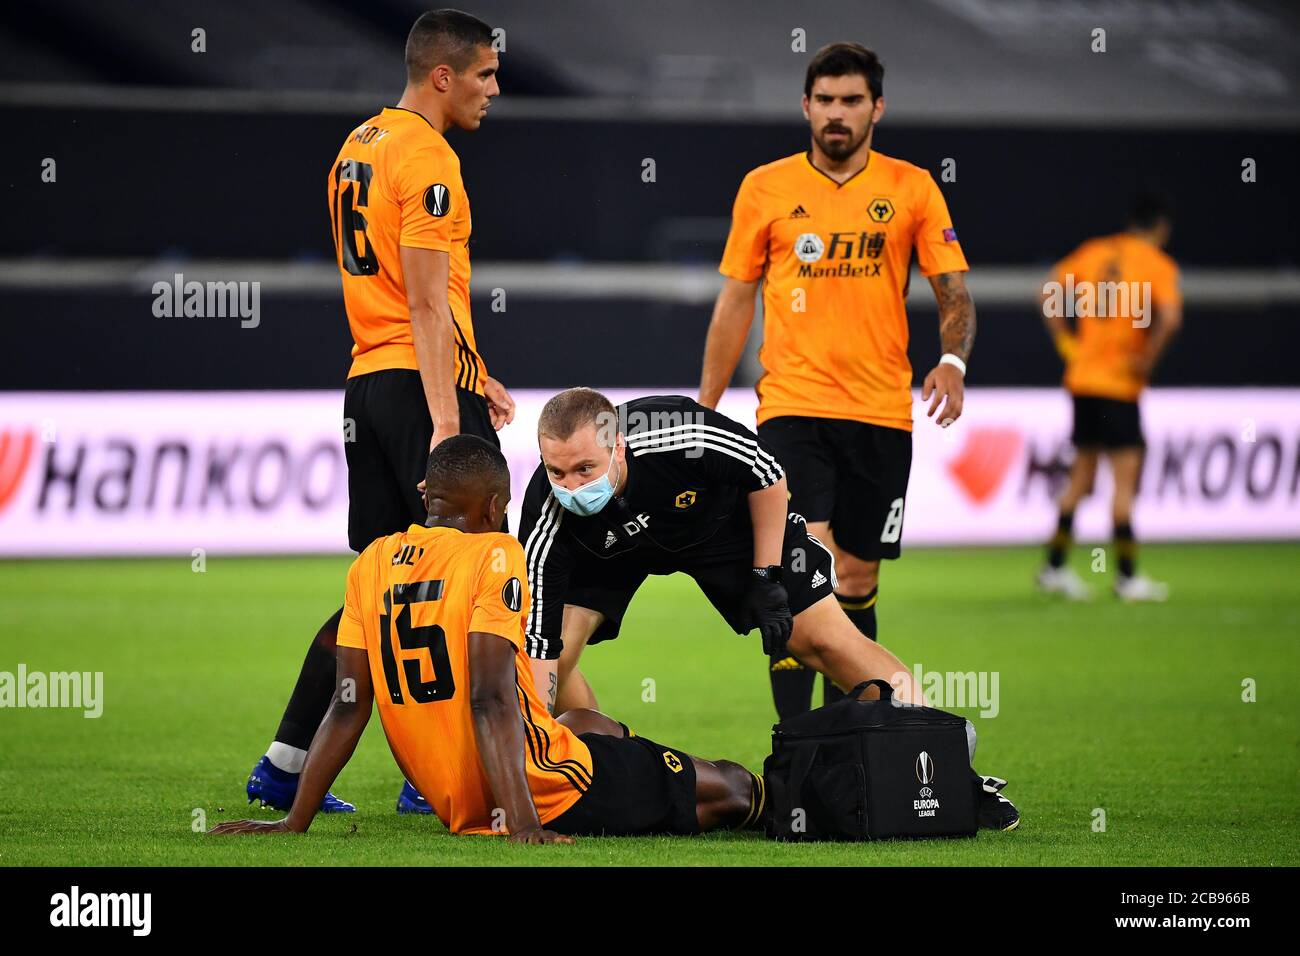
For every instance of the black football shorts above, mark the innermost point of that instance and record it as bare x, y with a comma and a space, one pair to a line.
1106, 423
852, 474
387, 430
722, 566
637, 787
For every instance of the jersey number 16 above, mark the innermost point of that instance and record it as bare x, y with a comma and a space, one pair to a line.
349, 220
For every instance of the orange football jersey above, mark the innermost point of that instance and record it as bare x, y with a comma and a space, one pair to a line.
397, 183
834, 259
413, 598
1128, 278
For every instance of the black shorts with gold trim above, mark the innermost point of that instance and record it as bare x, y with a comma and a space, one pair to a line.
637, 788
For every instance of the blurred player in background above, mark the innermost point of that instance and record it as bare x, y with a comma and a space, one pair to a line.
401, 225
1123, 293
831, 233
463, 717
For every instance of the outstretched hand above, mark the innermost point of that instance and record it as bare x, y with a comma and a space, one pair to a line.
537, 836
240, 827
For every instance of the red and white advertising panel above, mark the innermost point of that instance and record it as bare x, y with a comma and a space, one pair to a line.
264, 472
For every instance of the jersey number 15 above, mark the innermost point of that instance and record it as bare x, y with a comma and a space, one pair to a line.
432, 638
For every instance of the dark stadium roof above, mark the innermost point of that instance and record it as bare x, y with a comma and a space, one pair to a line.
948, 61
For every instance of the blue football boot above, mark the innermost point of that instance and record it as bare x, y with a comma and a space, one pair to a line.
276, 788
410, 801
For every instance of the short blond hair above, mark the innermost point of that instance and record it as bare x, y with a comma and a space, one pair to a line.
572, 409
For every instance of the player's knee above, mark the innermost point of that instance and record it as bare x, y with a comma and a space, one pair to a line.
857, 577
328, 635
734, 801
584, 720
1082, 479
824, 641
567, 663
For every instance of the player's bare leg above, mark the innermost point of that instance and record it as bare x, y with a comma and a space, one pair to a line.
576, 629
727, 795
1056, 577
858, 581
576, 693
1083, 476
856, 575
583, 720
826, 640
1126, 466
792, 681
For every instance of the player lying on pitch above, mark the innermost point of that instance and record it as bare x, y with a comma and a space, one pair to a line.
433, 627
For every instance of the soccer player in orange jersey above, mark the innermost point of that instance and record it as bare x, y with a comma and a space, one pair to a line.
401, 225
1122, 291
433, 631
831, 234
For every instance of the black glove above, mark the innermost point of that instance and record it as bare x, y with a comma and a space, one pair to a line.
767, 607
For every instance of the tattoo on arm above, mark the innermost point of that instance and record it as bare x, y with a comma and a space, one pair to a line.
956, 314
551, 693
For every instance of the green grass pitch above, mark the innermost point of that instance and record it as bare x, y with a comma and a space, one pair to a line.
1136, 710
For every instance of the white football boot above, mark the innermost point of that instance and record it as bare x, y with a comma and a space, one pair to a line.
1139, 587
1063, 581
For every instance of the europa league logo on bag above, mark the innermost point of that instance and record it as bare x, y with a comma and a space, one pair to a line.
924, 768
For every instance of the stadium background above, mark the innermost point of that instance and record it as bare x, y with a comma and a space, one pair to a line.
212, 165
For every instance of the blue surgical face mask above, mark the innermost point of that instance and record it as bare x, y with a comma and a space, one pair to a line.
587, 499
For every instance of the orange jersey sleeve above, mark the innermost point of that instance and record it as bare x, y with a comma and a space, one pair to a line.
1165, 282
429, 184
351, 631
412, 600
745, 256
937, 250
501, 600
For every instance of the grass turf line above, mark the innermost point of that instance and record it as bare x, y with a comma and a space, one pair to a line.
1136, 710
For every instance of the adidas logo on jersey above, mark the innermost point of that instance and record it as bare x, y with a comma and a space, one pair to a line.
799, 213
818, 579
610, 538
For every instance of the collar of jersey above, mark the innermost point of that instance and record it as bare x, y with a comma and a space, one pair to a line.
425, 527
857, 178
420, 116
